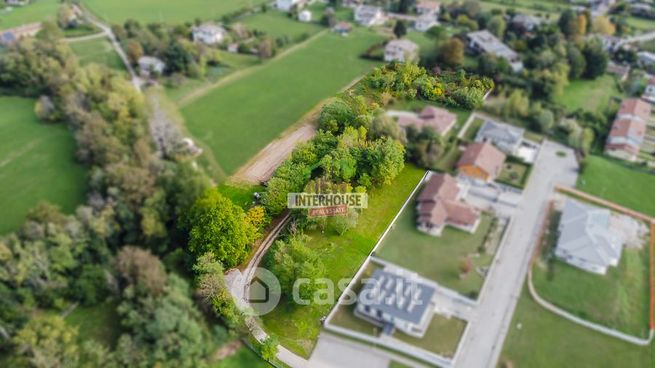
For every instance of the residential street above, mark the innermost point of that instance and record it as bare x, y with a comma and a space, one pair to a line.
484, 339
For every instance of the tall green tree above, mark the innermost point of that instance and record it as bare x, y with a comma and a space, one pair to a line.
219, 226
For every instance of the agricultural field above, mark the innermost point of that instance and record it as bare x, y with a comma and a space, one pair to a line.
298, 327
37, 11
241, 117
37, 163
278, 24
538, 338
118, 11
98, 51
609, 179
591, 95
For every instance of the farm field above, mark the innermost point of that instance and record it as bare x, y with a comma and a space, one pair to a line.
97, 51
118, 11
278, 24
592, 95
36, 12
238, 119
297, 327
538, 338
609, 179
36, 164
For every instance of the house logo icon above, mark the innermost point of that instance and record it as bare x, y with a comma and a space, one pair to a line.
263, 293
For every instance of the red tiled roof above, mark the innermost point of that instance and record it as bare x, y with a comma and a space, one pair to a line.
441, 120
625, 127
484, 156
439, 204
635, 107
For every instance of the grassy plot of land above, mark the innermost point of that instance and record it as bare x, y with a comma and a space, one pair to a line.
514, 174
118, 11
472, 130
441, 337
37, 11
240, 194
591, 95
611, 180
229, 63
243, 358
438, 258
98, 322
98, 51
278, 24
617, 300
238, 119
36, 164
298, 326
641, 24
538, 338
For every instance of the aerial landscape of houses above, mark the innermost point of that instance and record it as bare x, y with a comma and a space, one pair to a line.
477, 180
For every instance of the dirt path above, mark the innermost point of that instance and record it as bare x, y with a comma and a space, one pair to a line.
197, 93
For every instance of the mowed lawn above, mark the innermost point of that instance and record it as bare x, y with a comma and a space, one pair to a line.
592, 95
118, 11
37, 11
538, 338
36, 164
97, 51
242, 358
438, 258
238, 119
297, 327
611, 180
277, 24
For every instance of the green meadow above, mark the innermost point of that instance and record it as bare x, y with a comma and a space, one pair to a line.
36, 164
118, 11
37, 11
239, 118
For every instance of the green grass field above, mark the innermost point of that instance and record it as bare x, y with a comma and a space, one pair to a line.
97, 51
437, 258
37, 11
239, 118
243, 358
538, 338
36, 164
613, 181
98, 322
441, 337
514, 174
277, 24
592, 95
118, 11
298, 326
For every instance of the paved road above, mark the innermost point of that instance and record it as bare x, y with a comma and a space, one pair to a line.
483, 343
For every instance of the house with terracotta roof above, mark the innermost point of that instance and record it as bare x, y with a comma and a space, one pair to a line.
628, 130
440, 204
441, 120
481, 162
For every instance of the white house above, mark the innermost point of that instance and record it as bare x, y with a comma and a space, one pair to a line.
586, 240
149, 65
428, 7
401, 51
649, 92
286, 5
505, 137
486, 43
367, 15
209, 34
646, 58
305, 16
397, 299
425, 22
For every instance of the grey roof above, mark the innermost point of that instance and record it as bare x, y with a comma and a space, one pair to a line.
489, 43
494, 131
392, 293
585, 234
403, 44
